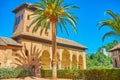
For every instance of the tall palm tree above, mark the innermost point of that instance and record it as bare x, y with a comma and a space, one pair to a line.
113, 23
52, 13
29, 59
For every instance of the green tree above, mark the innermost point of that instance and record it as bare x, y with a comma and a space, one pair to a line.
109, 45
98, 61
113, 23
52, 13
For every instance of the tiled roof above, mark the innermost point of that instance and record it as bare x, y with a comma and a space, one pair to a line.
115, 48
8, 41
69, 42
24, 5
60, 41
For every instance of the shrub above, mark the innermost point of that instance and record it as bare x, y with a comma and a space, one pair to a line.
102, 74
92, 74
46, 73
13, 72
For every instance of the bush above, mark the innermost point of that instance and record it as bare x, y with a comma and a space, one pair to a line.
63, 74
46, 73
60, 73
101, 74
13, 72
92, 74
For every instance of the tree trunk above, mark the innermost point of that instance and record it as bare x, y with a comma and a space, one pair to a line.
54, 71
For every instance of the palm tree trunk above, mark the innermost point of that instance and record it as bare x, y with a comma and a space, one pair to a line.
54, 71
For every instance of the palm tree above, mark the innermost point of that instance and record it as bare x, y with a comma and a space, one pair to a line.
29, 59
52, 13
113, 23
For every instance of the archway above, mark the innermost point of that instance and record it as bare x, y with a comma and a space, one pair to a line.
80, 64
65, 59
45, 60
74, 61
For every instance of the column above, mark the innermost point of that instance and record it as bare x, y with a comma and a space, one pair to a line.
77, 58
84, 60
50, 57
70, 59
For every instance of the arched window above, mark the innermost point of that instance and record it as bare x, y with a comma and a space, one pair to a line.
65, 59
45, 59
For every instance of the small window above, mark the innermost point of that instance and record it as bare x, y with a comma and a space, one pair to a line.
33, 59
26, 53
28, 17
21, 16
16, 54
48, 27
27, 28
17, 20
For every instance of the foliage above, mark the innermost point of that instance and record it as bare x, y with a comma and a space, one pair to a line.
53, 11
102, 74
50, 13
113, 23
13, 73
91, 74
99, 60
46, 73
29, 59
110, 45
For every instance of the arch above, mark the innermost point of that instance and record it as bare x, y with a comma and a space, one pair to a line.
45, 60
80, 64
74, 61
65, 59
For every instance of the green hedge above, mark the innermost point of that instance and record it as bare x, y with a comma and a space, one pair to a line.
13, 73
93, 74
103, 74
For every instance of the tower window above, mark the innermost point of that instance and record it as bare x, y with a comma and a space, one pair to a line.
22, 16
17, 20
27, 28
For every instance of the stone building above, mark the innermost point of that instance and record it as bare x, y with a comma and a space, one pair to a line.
115, 51
69, 53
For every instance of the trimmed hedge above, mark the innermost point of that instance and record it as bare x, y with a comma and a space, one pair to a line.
13, 73
93, 74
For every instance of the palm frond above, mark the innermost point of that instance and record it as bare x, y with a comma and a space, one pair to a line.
114, 16
59, 24
70, 6
72, 24
64, 25
34, 21
109, 34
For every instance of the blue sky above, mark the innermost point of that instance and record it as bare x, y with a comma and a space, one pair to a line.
89, 14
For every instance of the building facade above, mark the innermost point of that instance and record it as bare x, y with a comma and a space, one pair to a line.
115, 51
69, 53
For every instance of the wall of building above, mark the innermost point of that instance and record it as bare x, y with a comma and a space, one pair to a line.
67, 58
7, 57
116, 58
